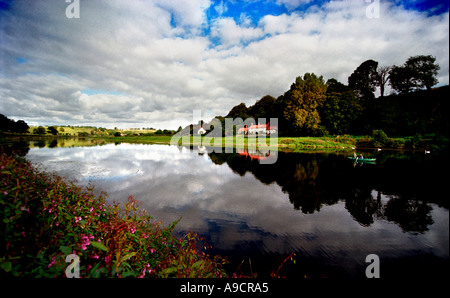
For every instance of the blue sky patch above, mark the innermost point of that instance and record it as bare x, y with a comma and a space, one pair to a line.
20, 60
97, 91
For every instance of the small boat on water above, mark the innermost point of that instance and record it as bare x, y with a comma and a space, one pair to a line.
358, 159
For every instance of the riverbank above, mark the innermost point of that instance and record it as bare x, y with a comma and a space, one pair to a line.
282, 143
47, 222
378, 140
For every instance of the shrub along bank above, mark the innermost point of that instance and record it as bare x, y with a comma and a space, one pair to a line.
44, 219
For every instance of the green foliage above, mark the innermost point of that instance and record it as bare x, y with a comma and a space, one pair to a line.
400, 79
83, 134
39, 130
341, 108
307, 143
418, 72
365, 79
424, 71
239, 111
43, 219
263, 108
300, 104
380, 138
53, 130
9, 125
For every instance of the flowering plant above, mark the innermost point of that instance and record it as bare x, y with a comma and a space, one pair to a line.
43, 219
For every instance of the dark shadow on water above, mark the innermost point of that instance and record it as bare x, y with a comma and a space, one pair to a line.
316, 180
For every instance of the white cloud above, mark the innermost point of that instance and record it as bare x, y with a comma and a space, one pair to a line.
221, 8
292, 4
187, 13
231, 33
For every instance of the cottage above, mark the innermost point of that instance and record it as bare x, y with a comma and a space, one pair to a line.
201, 131
258, 128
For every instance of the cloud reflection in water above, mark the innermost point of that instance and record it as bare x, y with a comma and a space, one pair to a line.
236, 212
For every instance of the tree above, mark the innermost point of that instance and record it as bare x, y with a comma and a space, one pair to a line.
239, 111
53, 130
9, 125
39, 130
400, 79
263, 108
300, 104
424, 70
383, 77
364, 79
21, 127
418, 72
341, 108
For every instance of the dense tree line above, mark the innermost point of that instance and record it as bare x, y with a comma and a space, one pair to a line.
314, 107
9, 125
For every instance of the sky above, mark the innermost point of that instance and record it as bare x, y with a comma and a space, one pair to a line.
157, 63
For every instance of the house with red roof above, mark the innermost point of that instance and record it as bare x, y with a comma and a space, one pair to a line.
257, 128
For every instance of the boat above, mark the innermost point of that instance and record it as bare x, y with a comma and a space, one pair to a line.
358, 159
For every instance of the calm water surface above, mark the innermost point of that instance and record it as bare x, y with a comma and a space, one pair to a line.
322, 207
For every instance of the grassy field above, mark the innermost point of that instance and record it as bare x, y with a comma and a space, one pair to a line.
295, 143
76, 130
379, 139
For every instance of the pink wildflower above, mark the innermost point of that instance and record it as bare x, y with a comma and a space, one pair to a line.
147, 268
85, 241
52, 262
22, 208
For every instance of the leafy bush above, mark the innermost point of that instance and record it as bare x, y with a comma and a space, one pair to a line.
43, 219
380, 138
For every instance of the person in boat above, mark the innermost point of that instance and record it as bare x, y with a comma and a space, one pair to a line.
361, 157
354, 155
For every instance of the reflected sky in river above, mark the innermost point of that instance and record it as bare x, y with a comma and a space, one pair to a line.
316, 205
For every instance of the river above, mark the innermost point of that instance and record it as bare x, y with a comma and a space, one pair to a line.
327, 210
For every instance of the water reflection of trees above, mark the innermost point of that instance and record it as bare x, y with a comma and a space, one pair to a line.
21, 145
410, 215
315, 180
20, 148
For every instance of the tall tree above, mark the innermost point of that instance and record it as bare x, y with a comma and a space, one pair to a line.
341, 108
300, 104
418, 72
364, 79
400, 79
263, 108
424, 70
239, 111
9, 125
